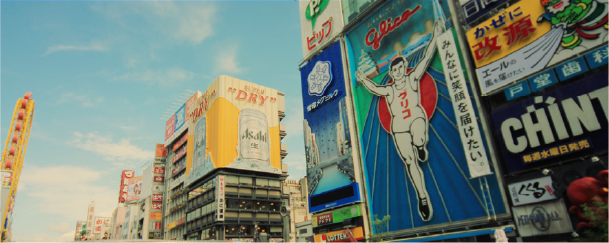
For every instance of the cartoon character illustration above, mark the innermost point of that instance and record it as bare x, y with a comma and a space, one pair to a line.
585, 191
579, 18
409, 123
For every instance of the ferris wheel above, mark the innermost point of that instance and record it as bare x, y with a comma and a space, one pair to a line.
12, 159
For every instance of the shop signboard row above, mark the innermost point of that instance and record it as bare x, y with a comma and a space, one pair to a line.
567, 121
336, 216
180, 142
178, 122
560, 73
327, 129
423, 150
178, 155
99, 223
233, 113
529, 36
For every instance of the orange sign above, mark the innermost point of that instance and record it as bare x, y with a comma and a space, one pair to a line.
348, 235
160, 150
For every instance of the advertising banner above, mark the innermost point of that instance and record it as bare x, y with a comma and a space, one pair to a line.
336, 216
159, 170
160, 150
170, 127
135, 189
220, 201
567, 121
347, 235
532, 191
320, 20
124, 188
157, 197
230, 114
542, 219
530, 36
180, 142
90, 216
99, 223
418, 128
326, 125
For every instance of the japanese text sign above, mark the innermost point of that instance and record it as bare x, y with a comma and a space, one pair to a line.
532, 191
320, 20
530, 36
466, 118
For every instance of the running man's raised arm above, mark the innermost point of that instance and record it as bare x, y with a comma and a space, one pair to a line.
374, 88
419, 70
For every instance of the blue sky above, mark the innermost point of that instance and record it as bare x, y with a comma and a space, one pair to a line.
103, 73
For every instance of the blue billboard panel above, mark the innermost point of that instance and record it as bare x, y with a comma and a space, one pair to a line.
326, 125
334, 198
517, 90
414, 154
568, 121
180, 117
543, 80
597, 57
571, 68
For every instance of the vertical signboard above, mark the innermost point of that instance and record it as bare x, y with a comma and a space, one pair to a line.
421, 143
124, 189
90, 219
170, 127
569, 121
233, 113
160, 150
532, 35
320, 20
221, 202
134, 189
326, 125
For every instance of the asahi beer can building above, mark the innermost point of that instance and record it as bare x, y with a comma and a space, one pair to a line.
254, 145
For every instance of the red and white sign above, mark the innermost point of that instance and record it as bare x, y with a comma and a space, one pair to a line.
170, 127
99, 222
157, 206
180, 142
159, 178
124, 189
157, 197
220, 198
179, 155
325, 219
157, 225
159, 170
319, 24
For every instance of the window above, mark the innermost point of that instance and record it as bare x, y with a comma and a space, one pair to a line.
274, 183
261, 193
232, 189
262, 182
275, 194
302, 231
232, 180
275, 207
276, 229
245, 191
245, 181
232, 204
262, 206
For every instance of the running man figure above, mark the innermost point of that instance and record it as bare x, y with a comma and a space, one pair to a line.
408, 118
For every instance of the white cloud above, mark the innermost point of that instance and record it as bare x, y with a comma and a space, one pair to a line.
167, 77
92, 47
190, 22
121, 151
80, 99
227, 60
63, 193
60, 228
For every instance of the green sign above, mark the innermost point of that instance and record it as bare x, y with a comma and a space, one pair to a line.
345, 213
314, 9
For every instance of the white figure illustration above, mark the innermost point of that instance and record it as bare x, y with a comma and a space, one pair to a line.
408, 118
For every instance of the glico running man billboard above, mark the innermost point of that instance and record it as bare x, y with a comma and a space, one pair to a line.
326, 131
236, 125
424, 155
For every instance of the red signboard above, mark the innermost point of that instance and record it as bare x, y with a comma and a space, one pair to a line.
157, 197
125, 175
325, 219
159, 170
170, 127
160, 150
157, 225
157, 205
180, 142
159, 178
179, 155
